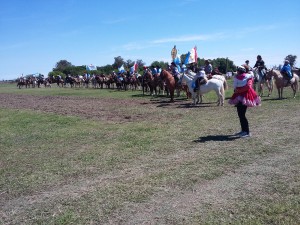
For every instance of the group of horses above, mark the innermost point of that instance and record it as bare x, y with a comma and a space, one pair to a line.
157, 84
274, 76
33, 82
218, 84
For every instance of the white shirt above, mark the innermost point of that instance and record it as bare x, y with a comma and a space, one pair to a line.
241, 83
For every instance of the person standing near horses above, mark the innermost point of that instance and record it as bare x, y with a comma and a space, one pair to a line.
286, 71
208, 68
243, 97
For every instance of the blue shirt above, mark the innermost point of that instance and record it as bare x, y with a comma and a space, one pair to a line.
287, 69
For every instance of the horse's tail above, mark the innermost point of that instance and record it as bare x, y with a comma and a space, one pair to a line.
225, 85
297, 83
222, 90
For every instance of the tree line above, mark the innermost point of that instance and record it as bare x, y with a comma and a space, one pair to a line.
64, 67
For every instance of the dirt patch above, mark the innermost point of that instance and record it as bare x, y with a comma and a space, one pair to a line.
88, 108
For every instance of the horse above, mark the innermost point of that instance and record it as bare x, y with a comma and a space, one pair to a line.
282, 82
221, 78
21, 83
170, 82
211, 85
153, 82
263, 81
134, 82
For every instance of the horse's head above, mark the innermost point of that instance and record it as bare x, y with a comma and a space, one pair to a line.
269, 74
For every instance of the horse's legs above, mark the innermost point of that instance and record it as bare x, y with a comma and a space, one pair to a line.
279, 93
172, 94
294, 89
261, 89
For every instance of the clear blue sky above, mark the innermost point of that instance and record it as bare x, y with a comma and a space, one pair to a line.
36, 34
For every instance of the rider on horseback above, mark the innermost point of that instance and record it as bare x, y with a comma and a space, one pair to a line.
286, 71
175, 72
260, 64
200, 78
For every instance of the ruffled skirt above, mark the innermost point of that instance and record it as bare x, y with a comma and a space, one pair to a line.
248, 98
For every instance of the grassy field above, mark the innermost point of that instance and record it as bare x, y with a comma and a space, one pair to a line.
168, 164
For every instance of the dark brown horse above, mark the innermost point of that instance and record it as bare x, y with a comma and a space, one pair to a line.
170, 82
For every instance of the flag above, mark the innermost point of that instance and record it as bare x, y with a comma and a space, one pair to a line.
134, 68
91, 67
177, 60
121, 69
191, 56
174, 53
186, 61
196, 55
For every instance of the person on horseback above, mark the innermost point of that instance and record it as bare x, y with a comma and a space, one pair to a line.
260, 65
208, 68
22, 78
286, 71
58, 77
200, 78
175, 72
247, 65
153, 70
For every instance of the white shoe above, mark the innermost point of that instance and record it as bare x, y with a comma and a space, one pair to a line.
239, 133
245, 135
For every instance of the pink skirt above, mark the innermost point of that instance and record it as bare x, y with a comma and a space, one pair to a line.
248, 98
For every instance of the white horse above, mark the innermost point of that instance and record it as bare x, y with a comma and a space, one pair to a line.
221, 78
211, 85
269, 82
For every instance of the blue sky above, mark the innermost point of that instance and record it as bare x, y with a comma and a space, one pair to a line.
36, 34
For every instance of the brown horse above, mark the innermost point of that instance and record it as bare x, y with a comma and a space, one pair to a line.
170, 82
154, 82
282, 82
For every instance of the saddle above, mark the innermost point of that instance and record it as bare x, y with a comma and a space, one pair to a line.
202, 81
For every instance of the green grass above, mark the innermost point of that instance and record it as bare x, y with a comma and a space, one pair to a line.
58, 169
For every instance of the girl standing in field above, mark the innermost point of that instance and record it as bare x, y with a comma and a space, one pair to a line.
243, 97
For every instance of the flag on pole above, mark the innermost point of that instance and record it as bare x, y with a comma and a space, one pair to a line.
134, 68
174, 53
91, 67
191, 56
121, 69
177, 60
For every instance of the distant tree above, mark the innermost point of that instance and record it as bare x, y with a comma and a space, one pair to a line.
140, 63
55, 73
62, 64
292, 59
105, 69
223, 64
129, 63
161, 64
119, 61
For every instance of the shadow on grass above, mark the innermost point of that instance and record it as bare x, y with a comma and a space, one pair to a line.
216, 138
272, 99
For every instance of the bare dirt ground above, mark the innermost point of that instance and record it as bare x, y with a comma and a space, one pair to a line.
89, 108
